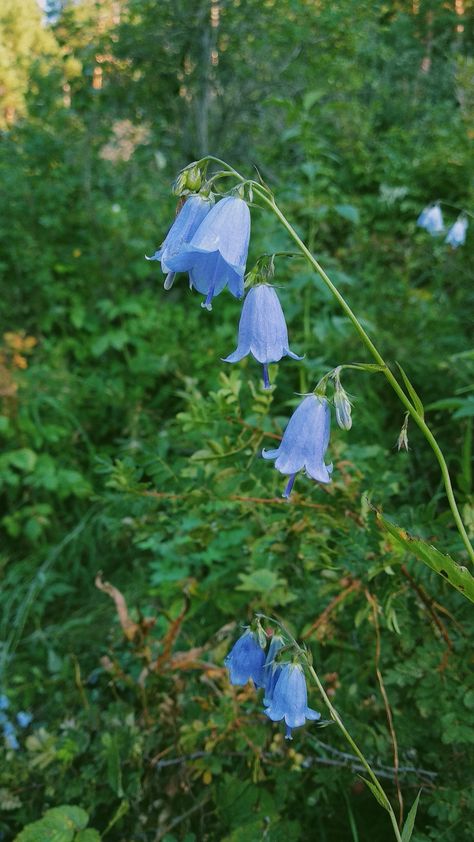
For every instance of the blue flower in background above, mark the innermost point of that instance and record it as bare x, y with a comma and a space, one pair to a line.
272, 670
304, 442
246, 659
185, 225
23, 718
457, 233
9, 733
290, 699
4, 703
431, 219
216, 255
262, 330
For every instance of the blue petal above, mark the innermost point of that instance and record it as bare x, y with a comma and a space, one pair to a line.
305, 441
290, 699
272, 670
246, 660
216, 254
186, 223
431, 219
457, 233
262, 328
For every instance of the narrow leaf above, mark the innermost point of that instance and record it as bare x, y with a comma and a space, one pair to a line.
457, 575
413, 393
410, 822
375, 792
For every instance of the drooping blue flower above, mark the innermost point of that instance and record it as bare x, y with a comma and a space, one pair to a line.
262, 330
181, 232
216, 255
23, 718
431, 219
290, 699
304, 442
457, 233
246, 659
271, 669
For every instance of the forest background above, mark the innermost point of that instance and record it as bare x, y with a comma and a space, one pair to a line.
130, 452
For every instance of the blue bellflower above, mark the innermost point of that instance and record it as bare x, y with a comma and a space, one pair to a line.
290, 699
457, 233
271, 669
216, 255
181, 232
262, 330
246, 660
431, 219
304, 442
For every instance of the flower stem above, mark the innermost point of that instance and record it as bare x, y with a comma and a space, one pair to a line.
337, 719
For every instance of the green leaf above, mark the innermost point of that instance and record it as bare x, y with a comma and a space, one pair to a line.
310, 98
57, 825
23, 459
417, 403
260, 580
383, 801
348, 212
410, 822
457, 575
89, 835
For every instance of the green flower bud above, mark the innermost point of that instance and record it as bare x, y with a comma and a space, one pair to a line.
342, 406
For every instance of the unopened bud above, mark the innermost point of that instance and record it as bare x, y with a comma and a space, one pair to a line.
193, 179
342, 406
180, 183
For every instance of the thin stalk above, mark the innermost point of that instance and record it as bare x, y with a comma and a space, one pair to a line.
337, 719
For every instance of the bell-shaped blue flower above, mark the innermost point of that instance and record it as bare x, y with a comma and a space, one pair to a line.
271, 669
304, 442
290, 699
24, 719
431, 219
246, 660
181, 232
262, 330
216, 255
457, 233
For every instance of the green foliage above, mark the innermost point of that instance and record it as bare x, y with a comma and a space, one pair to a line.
128, 447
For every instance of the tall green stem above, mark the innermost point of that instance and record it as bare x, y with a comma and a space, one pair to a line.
337, 719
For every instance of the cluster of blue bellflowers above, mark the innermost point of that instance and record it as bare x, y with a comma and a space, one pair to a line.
431, 219
210, 241
283, 682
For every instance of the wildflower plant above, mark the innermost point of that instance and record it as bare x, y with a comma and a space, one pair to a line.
215, 254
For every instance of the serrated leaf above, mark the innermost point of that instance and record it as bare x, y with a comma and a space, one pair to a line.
383, 801
457, 575
417, 402
410, 822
